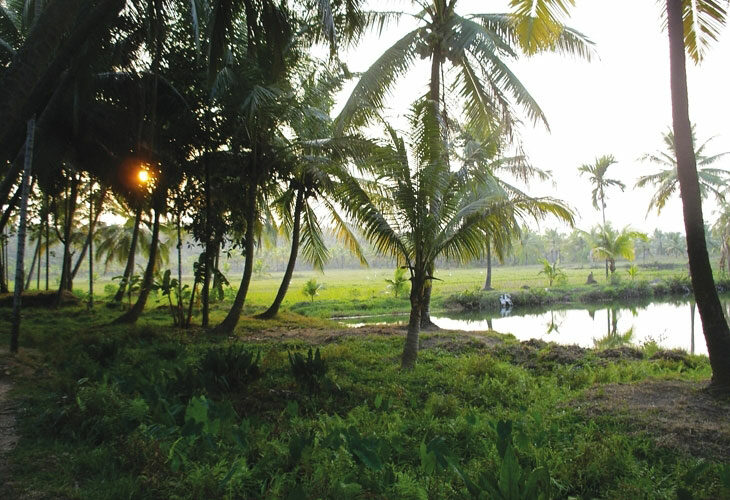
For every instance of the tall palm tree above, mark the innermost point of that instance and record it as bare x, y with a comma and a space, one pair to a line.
610, 244
692, 25
712, 180
418, 212
597, 175
478, 47
320, 158
487, 156
529, 246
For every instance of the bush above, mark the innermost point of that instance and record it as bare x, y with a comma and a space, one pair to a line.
308, 372
226, 369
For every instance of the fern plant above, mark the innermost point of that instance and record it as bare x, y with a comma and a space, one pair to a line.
308, 372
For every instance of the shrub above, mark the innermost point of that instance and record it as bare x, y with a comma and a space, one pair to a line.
308, 372
311, 288
228, 368
399, 283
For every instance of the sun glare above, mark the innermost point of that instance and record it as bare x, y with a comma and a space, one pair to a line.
143, 176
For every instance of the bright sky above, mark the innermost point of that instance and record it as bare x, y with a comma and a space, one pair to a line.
617, 104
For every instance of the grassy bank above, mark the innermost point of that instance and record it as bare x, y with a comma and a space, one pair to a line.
151, 412
358, 292
479, 300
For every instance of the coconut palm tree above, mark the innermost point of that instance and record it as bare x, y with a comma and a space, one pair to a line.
321, 158
475, 50
529, 246
597, 175
487, 156
692, 26
420, 210
711, 180
610, 244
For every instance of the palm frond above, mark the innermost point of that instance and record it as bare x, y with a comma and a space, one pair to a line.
314, 249
538, 23
703, 22
344, 234
368, 95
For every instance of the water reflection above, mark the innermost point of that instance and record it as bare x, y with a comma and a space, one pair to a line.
671, 324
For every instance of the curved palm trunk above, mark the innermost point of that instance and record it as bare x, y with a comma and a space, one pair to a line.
227, 326
135, 312
410, 349
48, 242
9, 209
714, 325
36, 258
488, 282
95, 211
3, 268
22, 223
205, 292
129, 268
180, 311
426, 323
274, 308
66, 283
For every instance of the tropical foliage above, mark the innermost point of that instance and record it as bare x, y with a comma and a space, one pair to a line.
712, 180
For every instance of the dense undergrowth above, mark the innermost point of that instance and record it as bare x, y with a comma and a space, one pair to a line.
149, 412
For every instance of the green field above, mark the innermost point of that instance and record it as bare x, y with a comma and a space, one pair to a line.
365, 291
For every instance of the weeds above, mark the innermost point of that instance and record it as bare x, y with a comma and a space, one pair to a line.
141, 412
308, 372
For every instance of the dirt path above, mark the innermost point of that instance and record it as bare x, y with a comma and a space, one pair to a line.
8, 434
677, 414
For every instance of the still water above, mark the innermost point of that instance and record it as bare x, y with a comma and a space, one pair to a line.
672, 324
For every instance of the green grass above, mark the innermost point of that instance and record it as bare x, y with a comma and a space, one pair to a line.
363, 292
128, 412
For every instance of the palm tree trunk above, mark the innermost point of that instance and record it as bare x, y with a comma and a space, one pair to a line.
426, 323
92, 225
135, 312
488, 282
9, 209
48, 243
36, 254
227, 326
410, 349
207, 270
692, 327
3, 264
180, 305
92, 221
274, 308
714, 325
129, 268
66, 283
11, 177
22, 223
38, 272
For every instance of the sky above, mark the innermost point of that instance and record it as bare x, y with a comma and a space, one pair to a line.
619, 104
